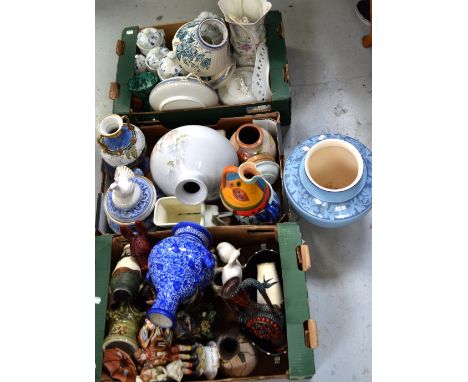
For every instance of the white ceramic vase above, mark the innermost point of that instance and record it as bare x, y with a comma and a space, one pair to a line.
202, 47
188, 162
267, 271
246, 23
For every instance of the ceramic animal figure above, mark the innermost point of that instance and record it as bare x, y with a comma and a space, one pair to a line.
248, 195
225, 250
140, 246
233, 268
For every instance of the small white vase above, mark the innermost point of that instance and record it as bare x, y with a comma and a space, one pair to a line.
267, 271
233, 268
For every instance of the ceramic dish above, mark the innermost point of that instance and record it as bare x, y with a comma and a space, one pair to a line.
267, 165
182, 93
318, 206
239, 88
260, 80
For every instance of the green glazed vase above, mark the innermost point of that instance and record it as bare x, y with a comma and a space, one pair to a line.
124, 326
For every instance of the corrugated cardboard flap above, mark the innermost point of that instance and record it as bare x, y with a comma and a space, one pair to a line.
300, 338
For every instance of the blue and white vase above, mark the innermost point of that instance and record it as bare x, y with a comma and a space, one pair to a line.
122, 144
130, 198
179, 266
328, 180
202, 47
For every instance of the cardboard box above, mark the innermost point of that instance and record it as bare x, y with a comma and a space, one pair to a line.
269, 121
298, 362
279, 81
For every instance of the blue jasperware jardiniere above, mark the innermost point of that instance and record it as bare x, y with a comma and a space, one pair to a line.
179, 266
328, 180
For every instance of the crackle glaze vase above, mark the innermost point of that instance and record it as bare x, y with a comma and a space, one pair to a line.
328, 180
179, 266
188, 162
122, 144
249, 196
202, 47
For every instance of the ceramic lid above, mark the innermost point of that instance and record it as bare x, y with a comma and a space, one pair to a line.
239, 88
142, 208
317, 206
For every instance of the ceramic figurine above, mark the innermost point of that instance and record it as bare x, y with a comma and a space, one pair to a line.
149, 38
246, 23
202, 47
225, 251
180, 167
267, 165
179, 266
154, 57
169, 67
250, 140
130, 198
140, 246
238, 89
328, 180
140, 65
249, 196
233, 268
152, 374
126, 277
238, 356
122, 144
124, 324
120, 365
262, 323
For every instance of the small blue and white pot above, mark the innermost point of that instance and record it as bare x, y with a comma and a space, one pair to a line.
179, 266
328, 180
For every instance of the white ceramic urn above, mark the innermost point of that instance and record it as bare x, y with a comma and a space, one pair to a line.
188, 162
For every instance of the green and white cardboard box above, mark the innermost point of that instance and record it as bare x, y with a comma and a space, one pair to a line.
298, 362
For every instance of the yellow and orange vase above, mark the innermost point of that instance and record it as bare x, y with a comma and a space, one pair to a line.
248, 195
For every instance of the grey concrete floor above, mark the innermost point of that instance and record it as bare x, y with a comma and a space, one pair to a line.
331, 78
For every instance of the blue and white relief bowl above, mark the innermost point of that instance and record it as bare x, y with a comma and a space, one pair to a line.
328, 180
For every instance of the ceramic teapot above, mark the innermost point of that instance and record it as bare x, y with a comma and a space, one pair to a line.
249, 196
122, 144
202, 47
179, 266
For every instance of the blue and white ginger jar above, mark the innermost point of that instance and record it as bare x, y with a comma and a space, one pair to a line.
179, 266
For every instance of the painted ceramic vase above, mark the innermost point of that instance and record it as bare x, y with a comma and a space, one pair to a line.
123, 329
249, 196
238, 357
126, 277
246, 23
179, 266
170, 67
202, 47
130, 198
328, 180
122, 144
250, 140
188, 162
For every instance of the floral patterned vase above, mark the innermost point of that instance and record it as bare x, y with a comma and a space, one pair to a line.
122, 144
179, 266
124, 324
249, 196
202, 47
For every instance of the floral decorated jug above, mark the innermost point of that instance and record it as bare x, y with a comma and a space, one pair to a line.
179, 266
122, 144
248, 195
202, 47
246, 22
